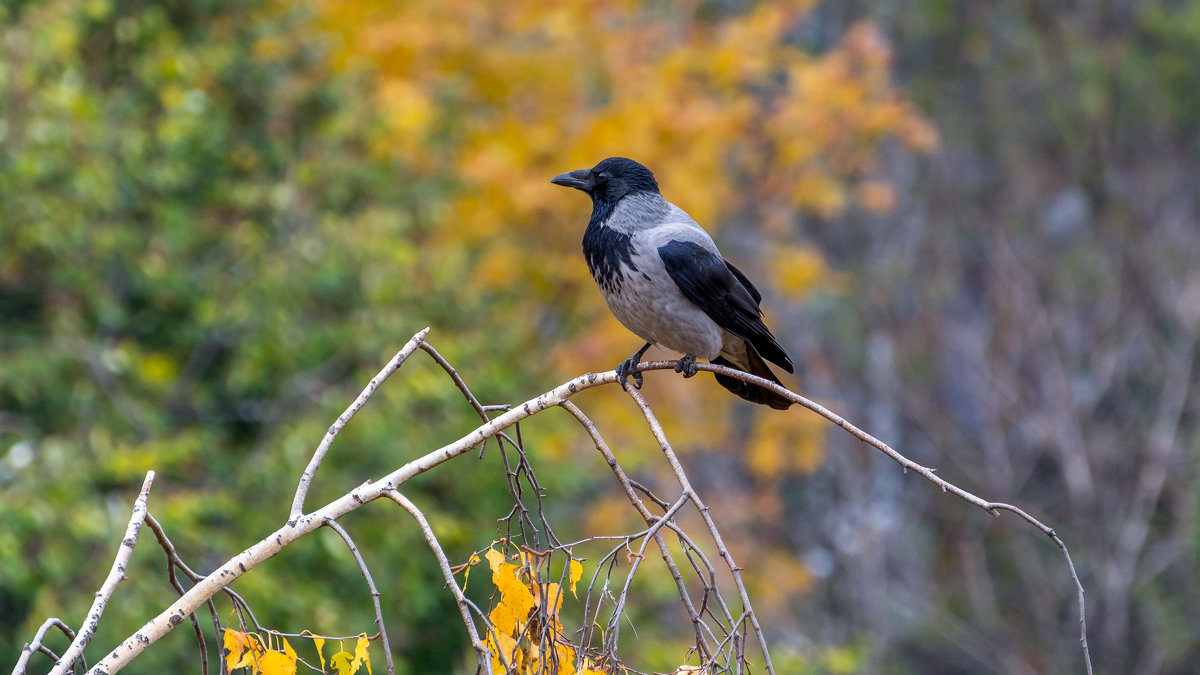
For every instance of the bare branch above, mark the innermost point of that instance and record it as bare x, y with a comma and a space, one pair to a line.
730, 646
166, 621
629, 486
336, 428
362, 566
36, 645
115, 576
722, 550
483, 656
173, 561
993, 508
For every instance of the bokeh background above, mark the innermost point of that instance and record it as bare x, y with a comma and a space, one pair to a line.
976, 225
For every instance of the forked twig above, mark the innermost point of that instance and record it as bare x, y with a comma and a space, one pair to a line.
36, 645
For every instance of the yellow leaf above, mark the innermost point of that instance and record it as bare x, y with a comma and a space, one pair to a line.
277, 663
553, 597
361, 655
495, 559
251, 652
343, 663
504, 650
235, 643
575, 574
287, 649
319, 643
467, 572
515, 598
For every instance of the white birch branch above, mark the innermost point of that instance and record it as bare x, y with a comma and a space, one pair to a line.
115, 576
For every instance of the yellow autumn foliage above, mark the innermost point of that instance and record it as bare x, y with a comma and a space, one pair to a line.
739, 122
515, 639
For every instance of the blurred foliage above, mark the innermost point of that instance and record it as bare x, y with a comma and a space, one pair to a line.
221, 218
201, 260
1026, 320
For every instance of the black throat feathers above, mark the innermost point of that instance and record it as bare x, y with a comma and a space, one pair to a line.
607, 251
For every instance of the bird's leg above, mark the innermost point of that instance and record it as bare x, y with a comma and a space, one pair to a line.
687, 365
625, 369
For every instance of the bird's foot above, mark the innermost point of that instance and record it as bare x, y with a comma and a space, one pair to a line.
687, 365
626, 368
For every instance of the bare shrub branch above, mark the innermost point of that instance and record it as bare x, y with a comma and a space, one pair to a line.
336, 428
719, 633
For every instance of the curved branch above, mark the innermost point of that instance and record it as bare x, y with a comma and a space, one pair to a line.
993, 508
482, 655
362, 567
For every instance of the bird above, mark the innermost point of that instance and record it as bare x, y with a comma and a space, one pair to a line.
665, 280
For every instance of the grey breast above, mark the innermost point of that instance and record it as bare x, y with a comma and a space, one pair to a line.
646, 299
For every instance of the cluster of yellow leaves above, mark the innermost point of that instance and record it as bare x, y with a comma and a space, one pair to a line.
527, 636
263, 657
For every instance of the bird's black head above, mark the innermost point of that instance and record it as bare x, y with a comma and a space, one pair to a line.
610, 180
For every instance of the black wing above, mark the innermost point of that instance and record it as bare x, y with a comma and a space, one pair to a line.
724, 293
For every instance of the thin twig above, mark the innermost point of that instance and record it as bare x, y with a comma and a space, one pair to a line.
614, 623
482, 654
722, 550
173, 561
362, 567
629, 485
336, 428
36, 645
115, 576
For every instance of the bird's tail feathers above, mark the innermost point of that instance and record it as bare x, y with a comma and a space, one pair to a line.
752, 392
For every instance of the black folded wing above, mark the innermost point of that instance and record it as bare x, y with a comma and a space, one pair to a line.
724, 294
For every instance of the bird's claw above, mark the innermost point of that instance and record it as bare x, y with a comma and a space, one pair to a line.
625, 370
687, 365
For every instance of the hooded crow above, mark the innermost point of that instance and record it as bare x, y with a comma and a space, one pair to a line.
664, 279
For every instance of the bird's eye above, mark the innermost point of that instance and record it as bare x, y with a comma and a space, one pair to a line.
601, 178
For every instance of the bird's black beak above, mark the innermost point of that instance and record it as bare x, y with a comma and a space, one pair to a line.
578, 179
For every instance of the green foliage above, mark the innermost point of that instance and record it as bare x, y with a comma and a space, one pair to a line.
201, 260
